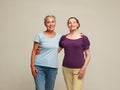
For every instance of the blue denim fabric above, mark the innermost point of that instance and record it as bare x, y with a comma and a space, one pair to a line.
45, 79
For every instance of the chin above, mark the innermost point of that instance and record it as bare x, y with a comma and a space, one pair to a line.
72, 29
51, 29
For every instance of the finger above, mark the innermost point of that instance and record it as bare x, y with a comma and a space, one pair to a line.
80, 77
34, 73
36, 70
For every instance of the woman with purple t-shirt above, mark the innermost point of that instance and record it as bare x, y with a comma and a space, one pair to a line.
77, 55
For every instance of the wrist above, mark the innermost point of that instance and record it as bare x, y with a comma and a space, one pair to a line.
84, 67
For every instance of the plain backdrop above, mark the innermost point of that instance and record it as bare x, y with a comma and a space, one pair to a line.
21, 20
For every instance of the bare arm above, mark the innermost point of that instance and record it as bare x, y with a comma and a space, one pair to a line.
87, 60
33, 54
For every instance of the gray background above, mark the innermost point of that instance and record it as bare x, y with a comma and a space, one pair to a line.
21, 20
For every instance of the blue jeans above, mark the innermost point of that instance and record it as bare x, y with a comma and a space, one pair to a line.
45, 79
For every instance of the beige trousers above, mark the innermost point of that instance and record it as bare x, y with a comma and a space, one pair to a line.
71, 80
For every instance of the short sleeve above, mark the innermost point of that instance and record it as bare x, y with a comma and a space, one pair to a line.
37, 38
61, 41
86, 44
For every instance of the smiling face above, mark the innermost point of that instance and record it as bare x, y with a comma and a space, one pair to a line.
73, 23
50, 23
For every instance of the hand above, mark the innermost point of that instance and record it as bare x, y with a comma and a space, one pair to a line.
34, 71
37, 51
81, 73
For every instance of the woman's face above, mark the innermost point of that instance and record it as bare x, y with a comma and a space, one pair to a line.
50, 23
72, 24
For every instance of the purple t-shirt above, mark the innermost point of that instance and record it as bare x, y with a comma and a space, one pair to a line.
74, 51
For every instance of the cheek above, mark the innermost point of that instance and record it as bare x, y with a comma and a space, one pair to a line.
47, 26
69, 25
54, 24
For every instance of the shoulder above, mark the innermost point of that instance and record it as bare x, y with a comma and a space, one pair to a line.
39, 34
58, 35
83, 35
62, 37
86, 40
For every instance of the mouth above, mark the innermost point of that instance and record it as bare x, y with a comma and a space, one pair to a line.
51, 27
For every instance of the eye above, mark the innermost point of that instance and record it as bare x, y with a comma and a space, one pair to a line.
70, 23
53, 21
48, 22
74, 22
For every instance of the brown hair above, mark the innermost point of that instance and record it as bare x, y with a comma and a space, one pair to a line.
76, 21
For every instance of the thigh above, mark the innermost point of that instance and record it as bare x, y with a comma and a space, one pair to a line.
77, 83
51, 73
40, 78
50, 78
68, 76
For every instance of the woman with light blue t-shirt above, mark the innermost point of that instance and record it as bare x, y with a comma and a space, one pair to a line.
44, 65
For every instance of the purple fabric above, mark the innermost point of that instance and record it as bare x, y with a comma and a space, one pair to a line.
74, 51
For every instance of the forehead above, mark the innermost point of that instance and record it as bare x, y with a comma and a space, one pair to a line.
72, 19
50, 18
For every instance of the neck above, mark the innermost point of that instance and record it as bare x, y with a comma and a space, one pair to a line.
74, 32
50, 32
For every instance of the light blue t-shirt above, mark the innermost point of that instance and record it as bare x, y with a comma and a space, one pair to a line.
48, 56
